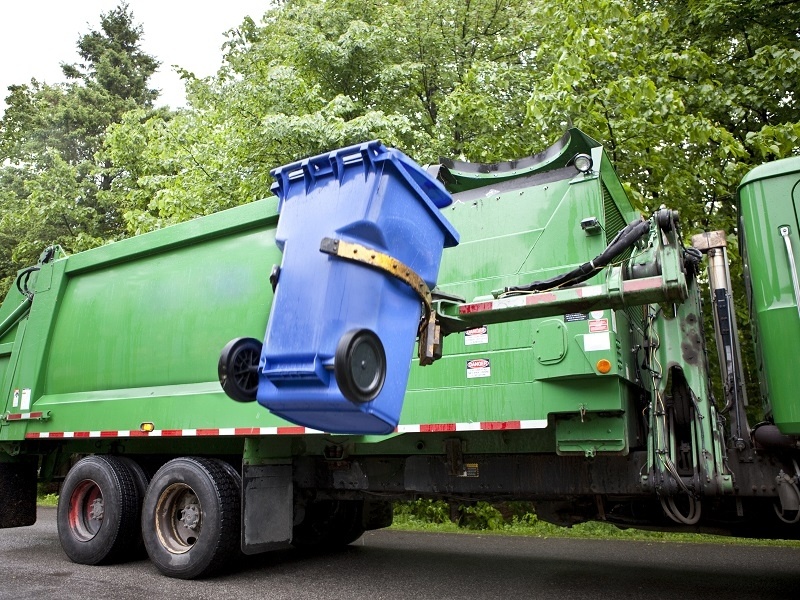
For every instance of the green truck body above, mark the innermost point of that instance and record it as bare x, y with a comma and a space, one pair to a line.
128, 332
591, 398
769, 200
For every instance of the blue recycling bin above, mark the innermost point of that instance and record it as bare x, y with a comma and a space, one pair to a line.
340, 338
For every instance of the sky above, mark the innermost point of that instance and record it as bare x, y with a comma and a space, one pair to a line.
36, 36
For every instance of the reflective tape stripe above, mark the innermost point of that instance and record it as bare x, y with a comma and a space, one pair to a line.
288, 430
24, 416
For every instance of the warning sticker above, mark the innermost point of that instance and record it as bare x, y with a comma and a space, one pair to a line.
15, 404
572, 317
478, 335
478, 367
598, 325
470, 470
25, 403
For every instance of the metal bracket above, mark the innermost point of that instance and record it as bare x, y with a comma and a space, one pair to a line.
784, 231
26, 416
454, 453
429, 332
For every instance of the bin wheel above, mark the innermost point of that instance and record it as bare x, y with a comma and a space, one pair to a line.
98, 511
360, 365
238, 368
191, 517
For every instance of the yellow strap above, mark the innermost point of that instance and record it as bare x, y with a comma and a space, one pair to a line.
429, 331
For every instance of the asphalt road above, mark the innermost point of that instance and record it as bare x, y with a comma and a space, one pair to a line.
399, 565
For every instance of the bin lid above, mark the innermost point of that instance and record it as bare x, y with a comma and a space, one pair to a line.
431, 192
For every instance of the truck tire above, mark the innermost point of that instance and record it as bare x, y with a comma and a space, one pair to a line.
141, 479
97, 517
191, 517
329, 524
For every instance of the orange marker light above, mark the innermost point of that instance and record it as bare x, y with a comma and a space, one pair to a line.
147, 427
603, 366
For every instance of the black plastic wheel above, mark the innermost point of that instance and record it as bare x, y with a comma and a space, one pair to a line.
329, 524
98, 511
191, 517
238, 368
359, 365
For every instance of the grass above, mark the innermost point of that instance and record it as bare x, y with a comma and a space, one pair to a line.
47, 500
433, 516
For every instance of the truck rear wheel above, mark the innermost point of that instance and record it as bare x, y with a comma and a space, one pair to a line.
141, 478
329, 524
98, 511
190, 518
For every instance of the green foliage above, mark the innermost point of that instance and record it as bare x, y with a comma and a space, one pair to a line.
47, 500
54, 186
316, 76
519, 518
481, 516
114, 63
423, 511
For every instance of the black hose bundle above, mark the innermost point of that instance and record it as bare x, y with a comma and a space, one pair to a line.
626, 238
22, 281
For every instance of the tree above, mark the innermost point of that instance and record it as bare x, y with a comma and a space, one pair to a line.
52, 181
431, 78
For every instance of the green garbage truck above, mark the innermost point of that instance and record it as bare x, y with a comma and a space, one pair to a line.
553, 350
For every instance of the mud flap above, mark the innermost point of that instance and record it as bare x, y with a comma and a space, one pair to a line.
267, 507
377, 514
18, 493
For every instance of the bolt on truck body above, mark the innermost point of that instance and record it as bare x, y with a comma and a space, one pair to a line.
560, 357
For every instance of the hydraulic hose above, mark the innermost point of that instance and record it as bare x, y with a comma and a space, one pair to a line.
626, 238
22, 281
25, 275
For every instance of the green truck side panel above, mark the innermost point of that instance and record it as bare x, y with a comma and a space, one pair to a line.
193, 298
522, 232
131, 332
769, 198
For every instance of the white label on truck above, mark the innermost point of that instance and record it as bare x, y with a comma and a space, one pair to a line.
510, 302
26, 399
478, 367
591, 290
15, 403
479, 335
596, 341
